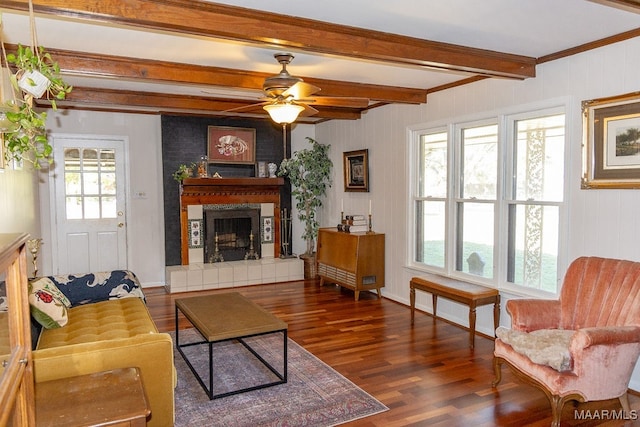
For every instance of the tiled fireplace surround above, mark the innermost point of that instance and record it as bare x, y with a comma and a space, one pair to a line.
196, 274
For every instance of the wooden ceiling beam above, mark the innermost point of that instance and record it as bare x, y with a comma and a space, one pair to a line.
213, 20
628, 5
94, 65
109, 99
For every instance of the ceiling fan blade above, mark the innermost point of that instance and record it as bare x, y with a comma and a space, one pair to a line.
308, 110
336, 101
300, 90
245, 108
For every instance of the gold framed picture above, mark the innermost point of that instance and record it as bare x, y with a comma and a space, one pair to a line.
611, 145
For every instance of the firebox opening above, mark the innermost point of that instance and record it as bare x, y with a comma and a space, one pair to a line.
233, 229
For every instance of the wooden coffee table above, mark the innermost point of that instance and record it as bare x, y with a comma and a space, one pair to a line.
227, 317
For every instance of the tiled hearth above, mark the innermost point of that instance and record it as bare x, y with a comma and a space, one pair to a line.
199, 276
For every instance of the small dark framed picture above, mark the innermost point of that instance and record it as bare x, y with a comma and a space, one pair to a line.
356, 170
231, 145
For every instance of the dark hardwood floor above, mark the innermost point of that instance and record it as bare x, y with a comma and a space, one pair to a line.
425, 374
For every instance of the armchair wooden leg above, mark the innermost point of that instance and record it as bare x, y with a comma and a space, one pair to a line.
497, 369
624, 401
556, 409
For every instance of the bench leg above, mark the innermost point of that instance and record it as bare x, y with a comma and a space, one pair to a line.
412, 300
472, 325
434, 302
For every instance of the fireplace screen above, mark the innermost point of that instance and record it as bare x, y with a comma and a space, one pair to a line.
230, 234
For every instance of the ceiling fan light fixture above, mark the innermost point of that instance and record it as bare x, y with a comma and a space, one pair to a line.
283, 113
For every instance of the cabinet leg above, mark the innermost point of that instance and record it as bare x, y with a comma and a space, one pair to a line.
357, 294
379, 293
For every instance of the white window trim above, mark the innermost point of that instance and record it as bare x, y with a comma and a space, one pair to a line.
504, 118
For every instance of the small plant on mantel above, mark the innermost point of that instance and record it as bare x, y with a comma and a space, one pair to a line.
184, 171
309, 172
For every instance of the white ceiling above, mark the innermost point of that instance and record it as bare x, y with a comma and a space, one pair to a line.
533, 28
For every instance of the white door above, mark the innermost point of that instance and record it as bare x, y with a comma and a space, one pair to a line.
90, 212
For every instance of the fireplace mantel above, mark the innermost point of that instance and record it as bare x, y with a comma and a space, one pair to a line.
206, 191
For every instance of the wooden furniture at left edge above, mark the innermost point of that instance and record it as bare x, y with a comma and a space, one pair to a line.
205, 191
17, 395
111, 398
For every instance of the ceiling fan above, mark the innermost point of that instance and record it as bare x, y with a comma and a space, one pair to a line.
283, 89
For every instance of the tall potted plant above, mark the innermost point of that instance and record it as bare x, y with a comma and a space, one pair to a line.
309, 172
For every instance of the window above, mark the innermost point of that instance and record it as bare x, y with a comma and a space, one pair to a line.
534, 201
431, 199
90, 183
477, 199
488, 198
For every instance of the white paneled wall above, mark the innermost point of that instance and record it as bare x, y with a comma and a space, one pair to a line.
600, 222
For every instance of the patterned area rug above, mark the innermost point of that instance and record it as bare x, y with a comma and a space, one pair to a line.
314, 395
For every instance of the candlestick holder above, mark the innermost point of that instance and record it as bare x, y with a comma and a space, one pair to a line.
217, 256
251, 254
341, 217
370, 226
34, 247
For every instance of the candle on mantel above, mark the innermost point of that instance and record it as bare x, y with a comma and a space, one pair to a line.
369, 206
342, 205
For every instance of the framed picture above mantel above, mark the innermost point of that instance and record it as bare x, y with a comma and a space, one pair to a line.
611, 157
226, 144
356, 170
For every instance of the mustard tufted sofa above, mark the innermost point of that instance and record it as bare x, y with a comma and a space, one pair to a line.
101, 335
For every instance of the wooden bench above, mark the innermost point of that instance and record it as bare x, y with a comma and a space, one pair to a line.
459, 291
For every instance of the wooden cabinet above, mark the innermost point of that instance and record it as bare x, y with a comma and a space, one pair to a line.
352, 260
16, 371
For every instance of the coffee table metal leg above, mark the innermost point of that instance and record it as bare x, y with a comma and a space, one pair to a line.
210, 391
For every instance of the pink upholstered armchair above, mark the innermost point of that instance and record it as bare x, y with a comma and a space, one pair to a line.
599, 305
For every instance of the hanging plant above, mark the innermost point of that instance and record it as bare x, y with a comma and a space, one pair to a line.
28, 139
37, 75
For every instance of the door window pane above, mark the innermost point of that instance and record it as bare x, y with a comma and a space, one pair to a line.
72, 183
108, 183
109, 207
74, 207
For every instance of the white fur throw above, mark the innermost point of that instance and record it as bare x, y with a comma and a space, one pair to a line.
545, 346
